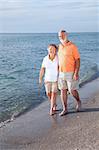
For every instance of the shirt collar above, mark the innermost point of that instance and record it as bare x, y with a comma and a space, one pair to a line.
50, 59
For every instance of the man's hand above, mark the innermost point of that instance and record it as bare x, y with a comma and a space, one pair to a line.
76, 73
76, 76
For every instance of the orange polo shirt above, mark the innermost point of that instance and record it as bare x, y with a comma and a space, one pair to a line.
67, 55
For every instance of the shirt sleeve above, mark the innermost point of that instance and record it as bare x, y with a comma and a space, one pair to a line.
76, 53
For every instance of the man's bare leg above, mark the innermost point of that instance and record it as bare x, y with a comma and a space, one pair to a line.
49, 95
64, 101
76, 96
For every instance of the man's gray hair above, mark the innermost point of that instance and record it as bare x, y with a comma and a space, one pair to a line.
62, 31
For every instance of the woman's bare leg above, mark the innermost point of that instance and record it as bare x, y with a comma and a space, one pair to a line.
53, 103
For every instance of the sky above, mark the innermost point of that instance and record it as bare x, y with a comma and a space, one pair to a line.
41, 16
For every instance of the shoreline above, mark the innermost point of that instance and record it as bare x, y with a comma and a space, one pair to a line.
18, 114
36, 130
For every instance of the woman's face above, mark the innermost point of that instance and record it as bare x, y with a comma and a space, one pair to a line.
52, 51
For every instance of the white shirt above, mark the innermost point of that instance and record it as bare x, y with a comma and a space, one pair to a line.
51, 68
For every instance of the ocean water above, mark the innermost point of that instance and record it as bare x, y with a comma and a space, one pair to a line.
20, 60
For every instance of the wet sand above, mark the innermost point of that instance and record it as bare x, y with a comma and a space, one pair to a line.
36, 130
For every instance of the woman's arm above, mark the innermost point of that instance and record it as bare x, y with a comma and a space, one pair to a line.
41, 74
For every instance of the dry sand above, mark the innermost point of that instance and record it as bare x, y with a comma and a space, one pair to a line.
36, 130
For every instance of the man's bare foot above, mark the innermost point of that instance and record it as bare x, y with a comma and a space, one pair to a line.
78, 107
64, 112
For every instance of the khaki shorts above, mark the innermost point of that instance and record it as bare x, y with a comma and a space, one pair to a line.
51, 87
66, 81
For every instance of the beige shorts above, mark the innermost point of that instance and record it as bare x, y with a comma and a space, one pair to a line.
66, 81
51, 87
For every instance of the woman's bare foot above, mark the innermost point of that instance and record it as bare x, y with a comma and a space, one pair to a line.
52, 112
54, 108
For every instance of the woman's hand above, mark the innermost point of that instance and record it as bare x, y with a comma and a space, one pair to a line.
40, 81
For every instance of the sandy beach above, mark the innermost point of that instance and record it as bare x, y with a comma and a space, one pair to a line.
36, 130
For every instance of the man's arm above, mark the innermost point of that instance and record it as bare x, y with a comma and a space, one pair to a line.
77, 67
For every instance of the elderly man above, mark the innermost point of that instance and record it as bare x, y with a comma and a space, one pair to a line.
69, 64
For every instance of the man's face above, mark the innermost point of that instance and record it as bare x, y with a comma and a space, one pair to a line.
62, 37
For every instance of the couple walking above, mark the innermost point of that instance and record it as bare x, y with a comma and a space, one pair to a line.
61, 69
